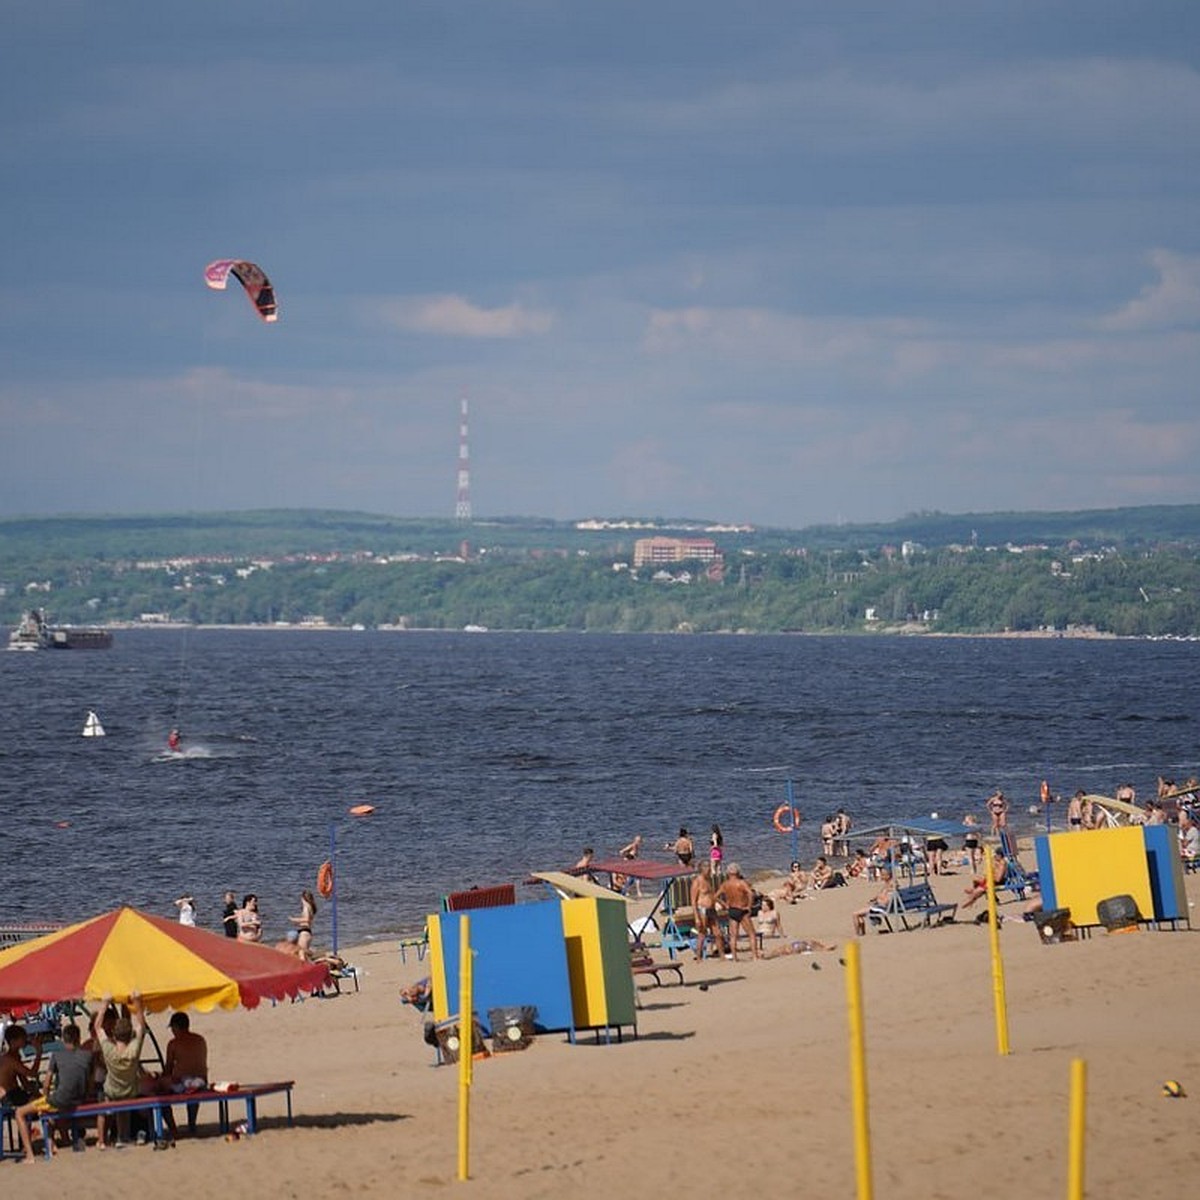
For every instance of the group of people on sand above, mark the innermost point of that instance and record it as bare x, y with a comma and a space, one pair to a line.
106, 1066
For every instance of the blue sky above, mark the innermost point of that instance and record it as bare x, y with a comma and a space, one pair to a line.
781, 263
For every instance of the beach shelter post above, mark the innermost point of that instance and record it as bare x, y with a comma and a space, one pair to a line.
334, 881
858, 1074
791, 799
998, 995
466, 1046
1077, 1128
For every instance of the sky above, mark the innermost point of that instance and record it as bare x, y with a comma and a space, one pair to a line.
777, 263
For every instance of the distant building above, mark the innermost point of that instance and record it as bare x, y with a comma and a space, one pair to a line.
653, 551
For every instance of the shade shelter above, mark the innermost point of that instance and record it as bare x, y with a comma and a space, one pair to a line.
171, 965
899, 829
664, 873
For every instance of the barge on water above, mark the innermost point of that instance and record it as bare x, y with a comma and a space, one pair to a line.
34, 633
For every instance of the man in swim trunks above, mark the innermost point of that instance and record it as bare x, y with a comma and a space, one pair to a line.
738, 897
704, 908
185, 1067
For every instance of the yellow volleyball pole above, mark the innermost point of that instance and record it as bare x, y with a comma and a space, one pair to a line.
1001, 1003
858, 1074
1077, 1129
466, 1048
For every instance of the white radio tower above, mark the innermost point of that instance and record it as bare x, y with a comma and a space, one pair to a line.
462, 505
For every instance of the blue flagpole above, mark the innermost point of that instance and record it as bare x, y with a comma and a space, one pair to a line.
333, 897
791, 799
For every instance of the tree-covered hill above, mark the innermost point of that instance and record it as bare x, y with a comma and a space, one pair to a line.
1125, 571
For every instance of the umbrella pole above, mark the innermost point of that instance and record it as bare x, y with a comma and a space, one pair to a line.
333, 897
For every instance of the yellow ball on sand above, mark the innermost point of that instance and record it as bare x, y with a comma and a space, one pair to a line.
1173, 1088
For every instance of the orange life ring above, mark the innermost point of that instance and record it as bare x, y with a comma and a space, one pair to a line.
783, 811
325, 879
1045, 792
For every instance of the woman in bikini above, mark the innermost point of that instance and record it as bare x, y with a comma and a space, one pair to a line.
303, 922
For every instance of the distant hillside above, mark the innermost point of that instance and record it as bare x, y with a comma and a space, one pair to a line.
281, 532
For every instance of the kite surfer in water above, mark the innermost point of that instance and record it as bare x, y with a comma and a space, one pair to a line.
174, 741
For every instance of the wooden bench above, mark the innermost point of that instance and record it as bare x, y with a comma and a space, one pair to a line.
916, 902
643, 964
248, 1093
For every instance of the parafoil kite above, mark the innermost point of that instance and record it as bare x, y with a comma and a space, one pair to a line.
251, 276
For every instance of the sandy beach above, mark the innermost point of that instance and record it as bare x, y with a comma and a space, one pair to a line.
742, 1086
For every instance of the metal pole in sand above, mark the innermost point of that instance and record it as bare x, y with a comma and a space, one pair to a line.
334, 872
858, 1074
997, 963
791, 799
1077, 1128
466, 1048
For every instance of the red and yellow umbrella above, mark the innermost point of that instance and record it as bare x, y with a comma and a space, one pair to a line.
171, 965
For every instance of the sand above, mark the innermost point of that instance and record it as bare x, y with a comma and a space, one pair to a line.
741, 1087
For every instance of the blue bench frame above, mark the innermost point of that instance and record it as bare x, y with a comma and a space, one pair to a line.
248, 1093
916, 900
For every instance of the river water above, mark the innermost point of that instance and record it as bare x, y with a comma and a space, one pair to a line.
489, 755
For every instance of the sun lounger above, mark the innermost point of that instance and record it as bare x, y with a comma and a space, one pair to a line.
414, 941
916, 904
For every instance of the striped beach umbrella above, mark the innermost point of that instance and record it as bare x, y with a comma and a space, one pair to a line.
171, 965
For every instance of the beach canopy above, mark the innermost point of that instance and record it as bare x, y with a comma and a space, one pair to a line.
171, 965
931, 826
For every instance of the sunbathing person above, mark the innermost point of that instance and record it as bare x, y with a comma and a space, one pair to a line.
979, 886
767, 922
419, 994
881, 899
804, 946
794, 886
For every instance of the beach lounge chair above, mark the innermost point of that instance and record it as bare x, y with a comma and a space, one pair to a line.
414, 941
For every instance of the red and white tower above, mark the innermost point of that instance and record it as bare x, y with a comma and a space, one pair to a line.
462, 504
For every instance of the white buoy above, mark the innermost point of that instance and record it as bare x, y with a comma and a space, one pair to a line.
92, 726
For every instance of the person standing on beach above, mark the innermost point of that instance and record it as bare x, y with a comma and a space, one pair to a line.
997, 806
249, 921
738, 897
704, 911
304, 921
716, 849
229, 915
1075, 811
842, 823
187, 910
684, 850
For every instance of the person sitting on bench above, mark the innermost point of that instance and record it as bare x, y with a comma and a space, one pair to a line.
880, 900
68, 1083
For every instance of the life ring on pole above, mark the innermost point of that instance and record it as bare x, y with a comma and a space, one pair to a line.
325, 879
1045, 792
782, 811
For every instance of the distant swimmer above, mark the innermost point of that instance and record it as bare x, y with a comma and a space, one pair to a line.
174, 741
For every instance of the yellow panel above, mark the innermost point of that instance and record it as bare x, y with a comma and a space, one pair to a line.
437, 968
585, 962
1098, 863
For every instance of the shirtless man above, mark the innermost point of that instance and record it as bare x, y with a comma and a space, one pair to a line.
880, 900
704, 906
19, 1080
738, 897
1075, 811
684, 850
979, 886
185, 1067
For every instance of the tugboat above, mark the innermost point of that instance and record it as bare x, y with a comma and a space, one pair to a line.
34, 633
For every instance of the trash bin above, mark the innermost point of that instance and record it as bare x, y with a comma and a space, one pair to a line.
1118, 912
512, 1027
1055, 926
449, 1042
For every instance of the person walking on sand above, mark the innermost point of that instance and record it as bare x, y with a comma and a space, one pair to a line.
704, 911
738, 897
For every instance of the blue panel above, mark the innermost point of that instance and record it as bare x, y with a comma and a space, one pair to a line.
1162, 855
1041, 846
520, 958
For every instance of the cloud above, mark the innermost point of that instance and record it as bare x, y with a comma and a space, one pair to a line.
1173, 300
455, 316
